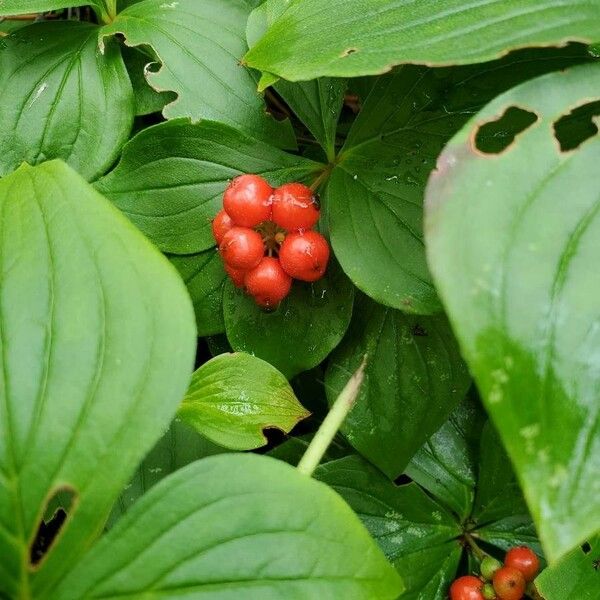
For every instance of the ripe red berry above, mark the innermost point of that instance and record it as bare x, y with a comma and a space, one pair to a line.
247, 200
242, 248
221, 224
509, 583
268, 283
523, 559
295, 207
304, 255
236, 275
466, 588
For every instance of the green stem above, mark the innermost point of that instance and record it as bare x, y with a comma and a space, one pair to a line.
332, 422
477, 551
106, 10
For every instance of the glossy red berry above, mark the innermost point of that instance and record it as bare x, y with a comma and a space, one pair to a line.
268, 283
221, 224
466, 588
523, 559
247, 200
304, 255
295, 207
236, 275
509, 583
242, 248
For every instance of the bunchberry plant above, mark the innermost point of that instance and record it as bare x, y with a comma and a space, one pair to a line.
299, 299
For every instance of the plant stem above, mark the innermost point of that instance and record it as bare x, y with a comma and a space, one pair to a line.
323, 175
332, 422
477, 551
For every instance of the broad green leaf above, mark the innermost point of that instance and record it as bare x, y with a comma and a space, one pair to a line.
516, 530
204, 277
375, 195
575, 576
178, 447
293, 449
147, 99
302, 332
416, 533
172, 176
316, 103
262, 531
446, 464
22, 7
514, 252
200, 45
60, 97
234, 397
348, 38
97, 343
413, 379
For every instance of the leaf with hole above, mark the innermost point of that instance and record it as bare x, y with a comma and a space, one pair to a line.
375, 195
97, 343
310, 39
413, 379
514, 253
171, 178
234, 397
200, 45
267, 532
306, 327
53, 85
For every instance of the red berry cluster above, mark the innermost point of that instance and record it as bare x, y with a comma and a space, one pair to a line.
498, 581
266, 239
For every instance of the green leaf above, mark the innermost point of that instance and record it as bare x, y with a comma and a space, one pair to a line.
147, 99
178, 447
375, 195
516, 267
318, 105
204, 277
575, 576
348, 38
302, 332
200, 45
233, 397
446, 464
416, 534
264, 531
413, 379
97, 343
54, 85
293, 449
172, 176
22, 7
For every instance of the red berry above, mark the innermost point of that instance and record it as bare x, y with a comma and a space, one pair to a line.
523, 559
247, 200
295, 207
466, 588
236, 275
509, 583
221, 224
304, 255
268, 283
242, 248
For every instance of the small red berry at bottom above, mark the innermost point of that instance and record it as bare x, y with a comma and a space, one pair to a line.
466, 588
236, 275
523, 559
509, 583
304, 256
247, 200
268, 283
242, 248
295, 207
221, 224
